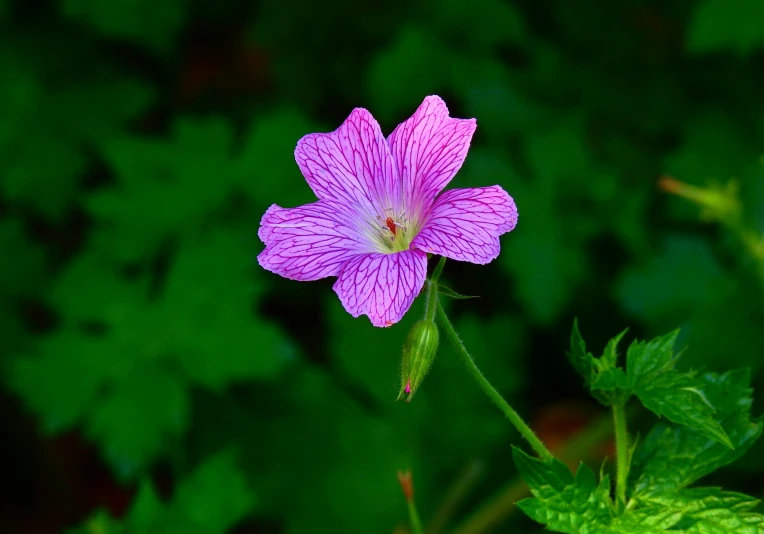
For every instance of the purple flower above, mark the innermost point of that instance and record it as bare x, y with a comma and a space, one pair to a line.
379, 213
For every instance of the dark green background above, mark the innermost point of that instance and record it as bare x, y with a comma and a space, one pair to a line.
140, 342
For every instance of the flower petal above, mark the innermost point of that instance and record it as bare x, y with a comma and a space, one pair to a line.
429, 148
382, 286
352, 165
465, 224
308, 242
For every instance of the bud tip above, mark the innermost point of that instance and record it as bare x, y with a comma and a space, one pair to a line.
406, 485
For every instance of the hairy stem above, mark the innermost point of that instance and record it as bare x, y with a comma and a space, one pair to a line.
622, 452
431, 302
438, 269
489, 390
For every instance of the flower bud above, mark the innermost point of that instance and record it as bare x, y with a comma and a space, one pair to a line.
418, 354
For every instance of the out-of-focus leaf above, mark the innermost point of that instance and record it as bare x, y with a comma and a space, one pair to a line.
133, 421
416, 63
211, 500
172, 185
22, 275
684, 278
266, 166
482, 22
214, 498
209, 326
726, 25
139, 21
133, 360
45, 131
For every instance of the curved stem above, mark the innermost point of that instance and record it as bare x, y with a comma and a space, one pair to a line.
621, 451
489, 390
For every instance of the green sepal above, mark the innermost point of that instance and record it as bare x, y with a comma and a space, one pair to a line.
448, 292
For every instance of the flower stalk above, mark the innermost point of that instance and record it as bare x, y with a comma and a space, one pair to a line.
489, 390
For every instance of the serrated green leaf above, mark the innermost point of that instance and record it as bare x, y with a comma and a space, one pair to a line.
680, 398
670, 458
645, 520
711, 511
562, 502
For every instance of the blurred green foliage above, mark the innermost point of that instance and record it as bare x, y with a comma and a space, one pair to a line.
140, 143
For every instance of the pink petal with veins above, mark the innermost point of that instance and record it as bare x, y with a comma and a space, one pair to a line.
465, 224
351, 165
309, 242
429, 148
382, 286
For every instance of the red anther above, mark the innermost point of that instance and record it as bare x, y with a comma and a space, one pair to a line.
390, 224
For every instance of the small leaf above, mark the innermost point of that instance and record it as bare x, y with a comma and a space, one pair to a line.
645, 359
448, 292
610, 355
581, 360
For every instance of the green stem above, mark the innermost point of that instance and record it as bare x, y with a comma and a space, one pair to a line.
621, 451
438, 269
494, 395
431, 303
416, 523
